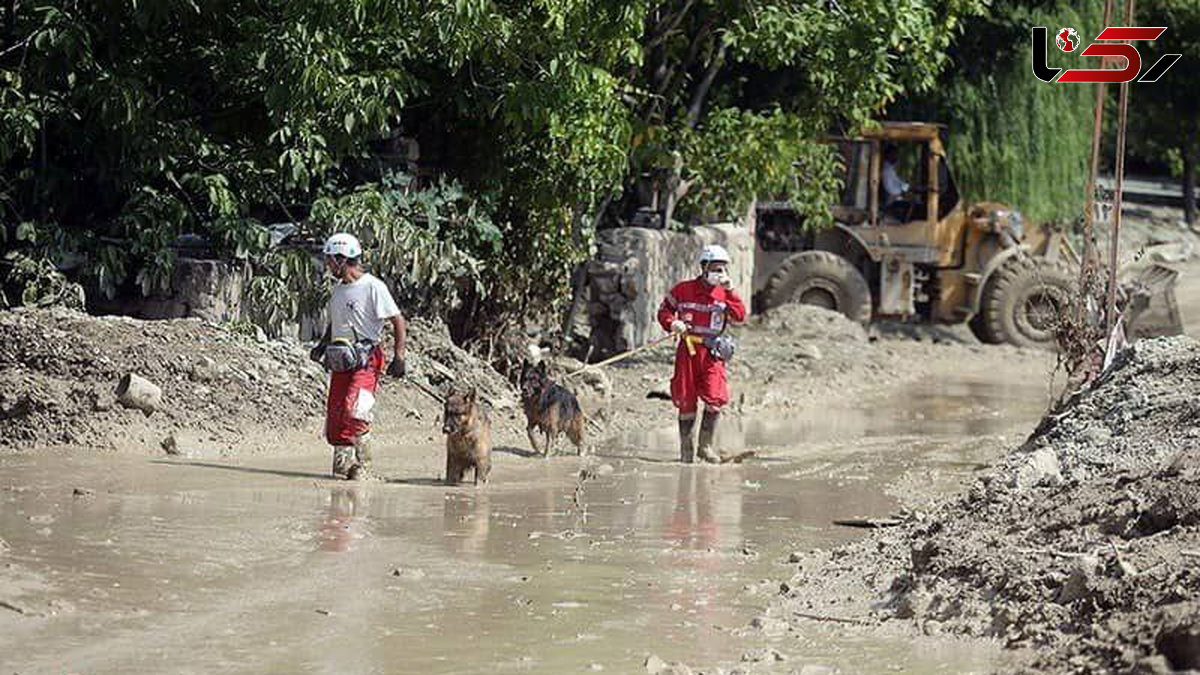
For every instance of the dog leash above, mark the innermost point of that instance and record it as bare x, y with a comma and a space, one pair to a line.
425, 388
622, 356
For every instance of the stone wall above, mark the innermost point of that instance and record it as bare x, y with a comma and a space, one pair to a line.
636, 267
212, 290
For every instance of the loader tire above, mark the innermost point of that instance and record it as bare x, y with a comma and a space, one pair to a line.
823, 279
1024, 301
979, 328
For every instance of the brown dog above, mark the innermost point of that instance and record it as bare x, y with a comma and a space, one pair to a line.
549, 407
468, 437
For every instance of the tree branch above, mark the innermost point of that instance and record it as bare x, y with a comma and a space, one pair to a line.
693, 114
662, 32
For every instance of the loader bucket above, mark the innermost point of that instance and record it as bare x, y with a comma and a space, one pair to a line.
1151, 309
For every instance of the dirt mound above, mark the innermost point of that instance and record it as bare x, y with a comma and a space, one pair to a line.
435, 359
808, 322
59, 370
1083, 544
1137, 416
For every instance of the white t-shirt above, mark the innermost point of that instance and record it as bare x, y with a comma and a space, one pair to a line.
358, 311
892, 184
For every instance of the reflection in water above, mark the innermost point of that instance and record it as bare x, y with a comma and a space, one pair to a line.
343, 522
466, 519
705, 518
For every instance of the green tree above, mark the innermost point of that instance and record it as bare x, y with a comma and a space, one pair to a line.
1014, 138
125, 124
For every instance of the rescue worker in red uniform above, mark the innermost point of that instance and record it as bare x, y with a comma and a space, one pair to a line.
697, 310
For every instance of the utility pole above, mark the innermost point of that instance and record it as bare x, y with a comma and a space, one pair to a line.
1122, 109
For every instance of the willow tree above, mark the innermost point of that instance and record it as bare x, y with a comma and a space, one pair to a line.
1014, 138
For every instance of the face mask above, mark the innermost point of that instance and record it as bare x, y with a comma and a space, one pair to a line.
715, 278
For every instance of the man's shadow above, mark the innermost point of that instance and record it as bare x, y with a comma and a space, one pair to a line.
244, 469
423, 482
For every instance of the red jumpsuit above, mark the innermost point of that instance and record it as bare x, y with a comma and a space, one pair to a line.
697, 374
346, 416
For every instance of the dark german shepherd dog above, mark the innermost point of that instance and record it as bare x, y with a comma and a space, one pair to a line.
550, 408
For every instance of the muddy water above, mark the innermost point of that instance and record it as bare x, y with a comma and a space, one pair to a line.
266, 566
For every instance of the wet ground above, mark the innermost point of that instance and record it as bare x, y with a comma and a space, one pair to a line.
267, 566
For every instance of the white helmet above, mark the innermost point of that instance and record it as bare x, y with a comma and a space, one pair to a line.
343, 244
714, 253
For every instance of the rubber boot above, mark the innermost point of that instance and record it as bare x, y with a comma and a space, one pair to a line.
687, 451
362, 459
708, 429
343, 459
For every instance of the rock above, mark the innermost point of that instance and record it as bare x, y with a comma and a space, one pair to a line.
795, 557
135, 391
170, 445
260, 336
1041, 469
1081, 579
83, 492
931, 627
605, 470
808, 352
204, 370
656, 666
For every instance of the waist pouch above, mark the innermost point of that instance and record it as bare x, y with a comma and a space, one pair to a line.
342, 355
721, 347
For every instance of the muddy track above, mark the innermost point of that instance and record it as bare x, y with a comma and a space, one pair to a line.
256, 561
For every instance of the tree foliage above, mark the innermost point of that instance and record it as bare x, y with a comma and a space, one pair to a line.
1164, 119
1014, 138
124, 125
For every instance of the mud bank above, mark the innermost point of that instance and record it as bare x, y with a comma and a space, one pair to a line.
1079, 550
224, 391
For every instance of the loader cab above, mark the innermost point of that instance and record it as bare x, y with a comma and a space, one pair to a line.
895, 245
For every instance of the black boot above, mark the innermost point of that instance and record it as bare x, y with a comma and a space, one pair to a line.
708, 429
687, 452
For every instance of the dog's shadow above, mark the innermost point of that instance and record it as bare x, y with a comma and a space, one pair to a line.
419, 482
519, 452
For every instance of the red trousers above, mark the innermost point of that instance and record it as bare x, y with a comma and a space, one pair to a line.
698, 376
351, 400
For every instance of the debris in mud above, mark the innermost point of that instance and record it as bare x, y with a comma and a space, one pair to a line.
1075, 545
408, 573
83, 492
656, 666
763, 654
4, 604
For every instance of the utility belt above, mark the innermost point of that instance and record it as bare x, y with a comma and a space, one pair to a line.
343, 355
721, 347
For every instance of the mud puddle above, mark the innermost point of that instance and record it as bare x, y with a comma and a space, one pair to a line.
203, 566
